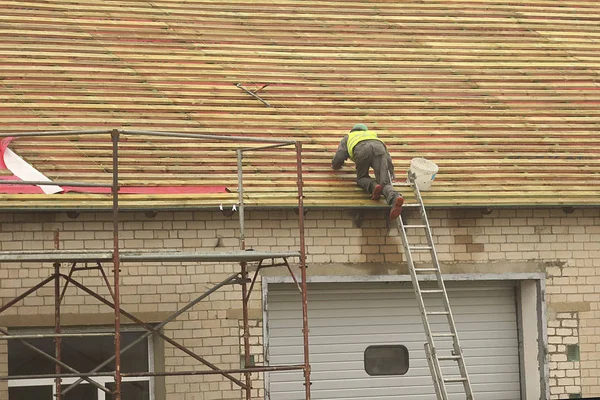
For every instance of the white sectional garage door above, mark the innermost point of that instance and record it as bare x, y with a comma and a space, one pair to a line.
345, 319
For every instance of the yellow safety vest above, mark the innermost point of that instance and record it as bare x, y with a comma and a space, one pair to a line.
358, 136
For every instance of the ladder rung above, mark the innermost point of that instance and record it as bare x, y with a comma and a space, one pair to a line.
410, 205
415, 226
432, 291
455, 379
420, 247
425, 269
445, 358
437, 312
443, 335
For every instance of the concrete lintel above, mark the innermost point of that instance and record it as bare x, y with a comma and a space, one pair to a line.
237, 313
570, 306
39, 320
393, 269
406, 278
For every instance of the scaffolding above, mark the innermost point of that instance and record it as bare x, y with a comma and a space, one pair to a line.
117, 256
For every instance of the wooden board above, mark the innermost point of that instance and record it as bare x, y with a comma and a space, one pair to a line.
503, 95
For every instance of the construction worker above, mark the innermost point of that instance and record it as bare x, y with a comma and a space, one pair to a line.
366, 150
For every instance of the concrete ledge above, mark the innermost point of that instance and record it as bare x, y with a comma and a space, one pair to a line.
237, 313
44, 320
382, 269
573, 306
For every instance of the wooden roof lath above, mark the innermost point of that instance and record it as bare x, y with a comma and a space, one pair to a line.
502, 95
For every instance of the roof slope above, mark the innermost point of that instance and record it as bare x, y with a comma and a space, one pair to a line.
503, 95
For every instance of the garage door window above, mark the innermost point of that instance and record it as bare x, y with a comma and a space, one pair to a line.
386, 360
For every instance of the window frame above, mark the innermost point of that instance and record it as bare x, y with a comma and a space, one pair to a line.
103, 380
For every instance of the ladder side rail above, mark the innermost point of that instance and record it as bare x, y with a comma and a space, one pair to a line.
433, 371
435, 260
438, 377
451, 322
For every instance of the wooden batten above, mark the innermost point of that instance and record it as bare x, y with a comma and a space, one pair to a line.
502, 95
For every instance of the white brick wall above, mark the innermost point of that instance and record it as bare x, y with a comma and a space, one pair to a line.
566, 246
565, 374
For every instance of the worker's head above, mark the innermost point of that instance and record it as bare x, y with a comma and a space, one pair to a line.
359, 127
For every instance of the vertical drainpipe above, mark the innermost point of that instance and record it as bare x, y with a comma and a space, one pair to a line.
305, 329
244, 278
116, 261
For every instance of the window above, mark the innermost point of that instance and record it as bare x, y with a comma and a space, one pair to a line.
386, 360
82, 354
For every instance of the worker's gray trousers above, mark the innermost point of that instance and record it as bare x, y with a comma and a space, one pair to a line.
373, 153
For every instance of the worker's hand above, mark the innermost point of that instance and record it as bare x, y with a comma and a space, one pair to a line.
337, 167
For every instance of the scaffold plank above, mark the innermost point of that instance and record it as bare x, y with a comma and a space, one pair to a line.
68, 256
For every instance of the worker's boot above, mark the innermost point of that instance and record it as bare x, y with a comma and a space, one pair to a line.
376, 195
396, 207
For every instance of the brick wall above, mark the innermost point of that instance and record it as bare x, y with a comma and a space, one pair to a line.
565, 246
565, 374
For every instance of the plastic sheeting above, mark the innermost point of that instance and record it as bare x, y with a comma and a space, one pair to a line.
21, 170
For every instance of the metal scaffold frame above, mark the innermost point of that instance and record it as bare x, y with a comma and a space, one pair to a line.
118, 255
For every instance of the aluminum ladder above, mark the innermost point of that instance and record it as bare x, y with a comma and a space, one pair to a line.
435, 360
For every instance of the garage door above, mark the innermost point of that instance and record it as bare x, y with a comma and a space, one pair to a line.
345, 319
